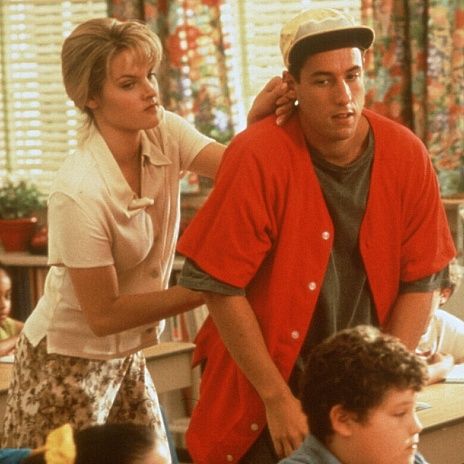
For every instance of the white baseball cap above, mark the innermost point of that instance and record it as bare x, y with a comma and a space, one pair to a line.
322, 29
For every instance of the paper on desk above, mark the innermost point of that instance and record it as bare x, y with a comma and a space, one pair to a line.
456, 375
9, 358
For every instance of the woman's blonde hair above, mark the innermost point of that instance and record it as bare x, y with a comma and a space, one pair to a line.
89, 49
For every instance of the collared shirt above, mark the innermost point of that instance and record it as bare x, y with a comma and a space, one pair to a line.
95, 219
8, 328
311, 451
445, 334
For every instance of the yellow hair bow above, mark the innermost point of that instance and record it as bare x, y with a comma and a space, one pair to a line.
60, 447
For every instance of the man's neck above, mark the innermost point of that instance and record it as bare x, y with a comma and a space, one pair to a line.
341, 152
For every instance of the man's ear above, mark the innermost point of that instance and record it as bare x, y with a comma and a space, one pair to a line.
342, 420
288, 79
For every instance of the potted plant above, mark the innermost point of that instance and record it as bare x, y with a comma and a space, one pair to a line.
20, 200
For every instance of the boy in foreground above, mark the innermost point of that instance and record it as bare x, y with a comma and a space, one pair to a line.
359, 394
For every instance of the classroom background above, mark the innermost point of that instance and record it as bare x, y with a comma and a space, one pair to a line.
218, 54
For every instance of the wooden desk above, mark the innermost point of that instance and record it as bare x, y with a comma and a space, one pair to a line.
455, 209
442, 440
169, 364
6, 370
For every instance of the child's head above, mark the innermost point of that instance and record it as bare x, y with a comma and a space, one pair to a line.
5, 293
451, 280
110, 444
359, 392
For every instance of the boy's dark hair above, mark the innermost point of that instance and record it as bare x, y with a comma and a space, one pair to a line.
355, 368
108, 444
452, 276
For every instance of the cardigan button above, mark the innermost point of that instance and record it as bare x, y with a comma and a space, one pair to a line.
312, 286
254, 427
325, 235
295, 334
229, 458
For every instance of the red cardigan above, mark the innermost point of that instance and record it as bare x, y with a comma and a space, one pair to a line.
266, 227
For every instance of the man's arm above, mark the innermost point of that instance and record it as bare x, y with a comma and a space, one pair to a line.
242, 336
409, 316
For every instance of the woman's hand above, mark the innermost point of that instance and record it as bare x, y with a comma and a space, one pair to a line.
276, 98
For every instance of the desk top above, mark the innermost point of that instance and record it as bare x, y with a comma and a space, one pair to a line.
6, 370
165, 349
22, 258
447, 401
156, 352
450, 201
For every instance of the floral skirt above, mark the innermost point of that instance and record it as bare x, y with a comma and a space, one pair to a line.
48, 390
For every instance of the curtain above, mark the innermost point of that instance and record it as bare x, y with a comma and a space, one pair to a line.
192, 78
415, 75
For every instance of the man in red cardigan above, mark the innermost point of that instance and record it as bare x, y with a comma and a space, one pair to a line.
330, 221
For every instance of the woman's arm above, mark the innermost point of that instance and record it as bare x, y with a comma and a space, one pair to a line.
108, 312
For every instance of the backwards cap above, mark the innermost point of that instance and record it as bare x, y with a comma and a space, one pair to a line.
322, 29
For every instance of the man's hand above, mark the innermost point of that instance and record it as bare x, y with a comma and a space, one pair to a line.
274, 97
287, 424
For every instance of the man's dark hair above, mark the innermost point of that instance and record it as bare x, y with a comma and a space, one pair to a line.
355, 368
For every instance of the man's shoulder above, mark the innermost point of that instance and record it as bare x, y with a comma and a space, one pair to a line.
266, 139
384, 126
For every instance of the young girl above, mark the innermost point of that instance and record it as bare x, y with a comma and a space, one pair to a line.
113, 222
9, 328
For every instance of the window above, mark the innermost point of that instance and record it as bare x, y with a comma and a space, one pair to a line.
253, 29
37, 121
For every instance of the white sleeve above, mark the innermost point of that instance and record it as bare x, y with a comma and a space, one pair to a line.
190, 140
75, 238
451, 333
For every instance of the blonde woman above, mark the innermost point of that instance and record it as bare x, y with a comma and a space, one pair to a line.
113, 223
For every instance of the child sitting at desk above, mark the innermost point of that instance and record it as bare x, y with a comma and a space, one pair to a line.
442, 345
359, 394
99, 444
9, 328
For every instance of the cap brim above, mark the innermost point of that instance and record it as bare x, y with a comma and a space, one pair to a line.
360, 37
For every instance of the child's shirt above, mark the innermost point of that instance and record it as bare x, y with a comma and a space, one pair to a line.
8, 328
312, 451
14, 455
445, 334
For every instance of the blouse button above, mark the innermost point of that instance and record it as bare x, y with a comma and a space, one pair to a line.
295, 334
326, 235
229, 458
312, 286
254, 427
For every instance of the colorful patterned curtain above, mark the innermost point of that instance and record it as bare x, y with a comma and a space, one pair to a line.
416, 76
193, 79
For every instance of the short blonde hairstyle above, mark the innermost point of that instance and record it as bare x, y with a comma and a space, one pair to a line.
89, 49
